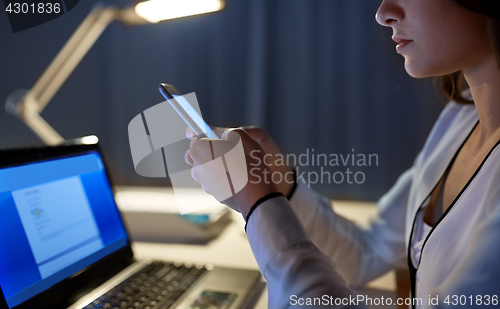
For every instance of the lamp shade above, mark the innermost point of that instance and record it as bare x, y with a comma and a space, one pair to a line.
157, 10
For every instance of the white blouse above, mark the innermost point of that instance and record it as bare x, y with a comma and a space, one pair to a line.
422, 229
305, 250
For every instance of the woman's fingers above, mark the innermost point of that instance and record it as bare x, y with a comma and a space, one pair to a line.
218, 131
190, 133
249, 155
223, 167
201, 151
188, 158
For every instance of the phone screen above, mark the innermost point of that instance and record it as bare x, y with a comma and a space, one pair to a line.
194, 115
187, 109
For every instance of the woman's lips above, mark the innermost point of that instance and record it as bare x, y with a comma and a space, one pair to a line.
402, 42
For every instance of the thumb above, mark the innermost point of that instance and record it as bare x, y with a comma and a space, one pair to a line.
230, 134
264, 139
234, 135
256, 133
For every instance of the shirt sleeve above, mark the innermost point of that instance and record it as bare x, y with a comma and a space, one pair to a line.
294, 268
305, 250
361, 254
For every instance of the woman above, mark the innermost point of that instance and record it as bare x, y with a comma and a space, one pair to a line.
441, 218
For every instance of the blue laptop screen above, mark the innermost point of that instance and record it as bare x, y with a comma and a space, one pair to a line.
57, 217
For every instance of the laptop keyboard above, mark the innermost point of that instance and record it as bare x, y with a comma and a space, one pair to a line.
156, 286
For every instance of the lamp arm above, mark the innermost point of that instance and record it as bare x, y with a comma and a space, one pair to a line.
71, 55
29, 107
32, 103
35, 122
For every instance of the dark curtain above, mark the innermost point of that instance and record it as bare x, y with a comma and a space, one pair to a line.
319, 75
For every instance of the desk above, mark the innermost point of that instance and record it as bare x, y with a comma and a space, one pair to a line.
231, 249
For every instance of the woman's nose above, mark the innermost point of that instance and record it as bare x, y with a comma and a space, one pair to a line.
389, 12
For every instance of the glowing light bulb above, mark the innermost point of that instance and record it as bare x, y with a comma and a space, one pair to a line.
158, 10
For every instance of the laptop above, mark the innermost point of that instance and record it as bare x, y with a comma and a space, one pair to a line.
63, 243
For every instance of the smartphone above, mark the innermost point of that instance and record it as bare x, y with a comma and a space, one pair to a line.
190, 116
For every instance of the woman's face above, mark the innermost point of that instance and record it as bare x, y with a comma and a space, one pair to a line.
436, 37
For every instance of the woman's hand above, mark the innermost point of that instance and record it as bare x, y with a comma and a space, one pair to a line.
251, 177
274, 160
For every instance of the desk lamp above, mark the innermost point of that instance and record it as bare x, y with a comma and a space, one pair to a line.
28, 104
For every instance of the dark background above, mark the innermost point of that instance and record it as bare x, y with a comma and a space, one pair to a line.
316, 74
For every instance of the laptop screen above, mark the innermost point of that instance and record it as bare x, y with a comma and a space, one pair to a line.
58, 216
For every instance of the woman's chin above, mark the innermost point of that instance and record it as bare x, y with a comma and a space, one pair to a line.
417, 71
423, 70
